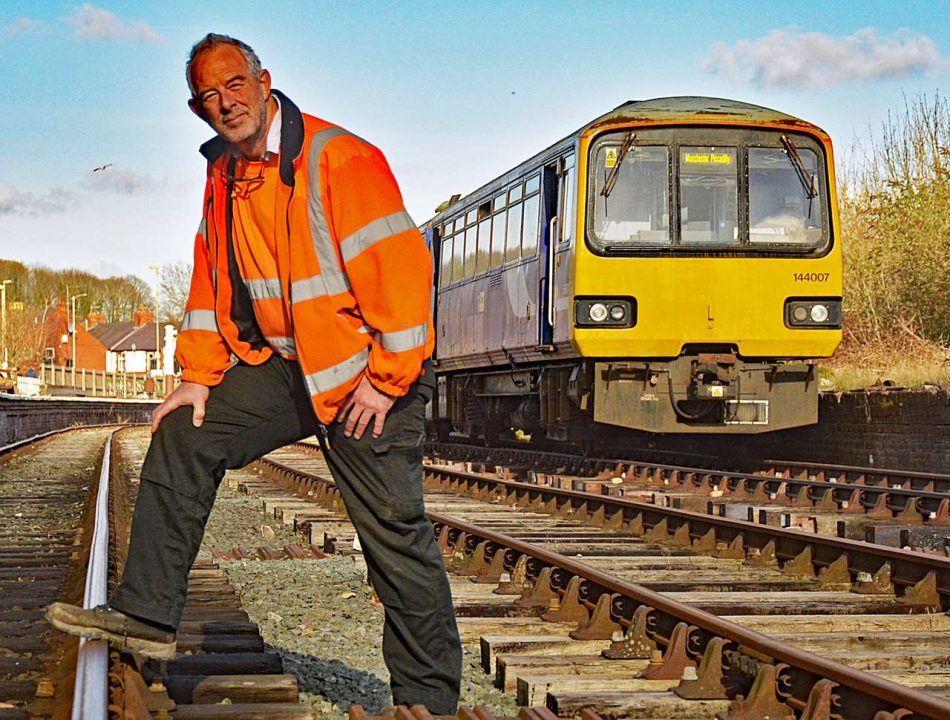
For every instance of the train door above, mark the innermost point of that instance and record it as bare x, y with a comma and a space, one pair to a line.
548, 243
558, 231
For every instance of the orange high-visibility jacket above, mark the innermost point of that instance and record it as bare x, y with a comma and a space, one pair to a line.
355, 275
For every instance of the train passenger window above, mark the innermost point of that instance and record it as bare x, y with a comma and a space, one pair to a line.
498, 231
780, 209
445, 269
470, 217
635, 210
708, 196
470, 249
529, 236
498, 203
484, 245
458, 257
532, 185
515, 193
513, 244
566, 216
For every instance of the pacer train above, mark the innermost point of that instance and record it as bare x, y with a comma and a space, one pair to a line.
673, 266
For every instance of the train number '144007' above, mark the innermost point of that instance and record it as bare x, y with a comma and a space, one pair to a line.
811, 277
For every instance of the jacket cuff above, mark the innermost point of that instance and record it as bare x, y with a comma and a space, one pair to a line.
202, 378
395, 391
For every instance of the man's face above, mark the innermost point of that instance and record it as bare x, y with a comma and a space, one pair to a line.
228, 97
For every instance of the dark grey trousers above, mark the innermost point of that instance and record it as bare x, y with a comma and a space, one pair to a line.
257, 409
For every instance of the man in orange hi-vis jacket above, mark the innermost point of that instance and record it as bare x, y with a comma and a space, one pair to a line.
308, 313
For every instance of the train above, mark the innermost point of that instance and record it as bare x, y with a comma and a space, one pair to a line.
673, 266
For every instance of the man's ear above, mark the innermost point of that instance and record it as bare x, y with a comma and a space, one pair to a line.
197, 108
265, 82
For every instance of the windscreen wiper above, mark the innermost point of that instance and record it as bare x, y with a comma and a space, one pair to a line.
615, 170
809, 182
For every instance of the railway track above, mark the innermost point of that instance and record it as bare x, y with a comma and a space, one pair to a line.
66, 498
831, 499
789, 617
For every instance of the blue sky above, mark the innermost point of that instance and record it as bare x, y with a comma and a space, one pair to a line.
454, 93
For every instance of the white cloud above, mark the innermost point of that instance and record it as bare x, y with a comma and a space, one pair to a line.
126, 182
93, 23
16, 202
20, 25
788, 58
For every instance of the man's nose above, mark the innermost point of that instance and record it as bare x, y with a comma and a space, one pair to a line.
227, 101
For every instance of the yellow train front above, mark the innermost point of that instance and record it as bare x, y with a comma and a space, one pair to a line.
673, 266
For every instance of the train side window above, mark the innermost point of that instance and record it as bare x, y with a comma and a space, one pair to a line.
470, 217
708, 196
529, 236
445, 271
516, 192
532, 185
471, 233
513, 244
567, 216
458, 257
498, 203
484, 244
498, 233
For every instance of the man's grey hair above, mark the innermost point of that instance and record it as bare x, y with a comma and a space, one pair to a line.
213, 40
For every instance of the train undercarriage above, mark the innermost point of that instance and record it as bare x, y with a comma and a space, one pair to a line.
703, 393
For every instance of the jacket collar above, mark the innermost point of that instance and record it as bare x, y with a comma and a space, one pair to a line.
291, 139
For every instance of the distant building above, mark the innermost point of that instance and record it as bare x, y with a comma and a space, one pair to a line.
128, 346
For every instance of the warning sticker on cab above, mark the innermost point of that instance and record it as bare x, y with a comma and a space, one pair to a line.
610, 159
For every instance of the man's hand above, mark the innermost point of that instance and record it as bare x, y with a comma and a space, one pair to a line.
188, 393
362, 405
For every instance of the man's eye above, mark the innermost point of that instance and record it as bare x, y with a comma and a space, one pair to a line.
209, 98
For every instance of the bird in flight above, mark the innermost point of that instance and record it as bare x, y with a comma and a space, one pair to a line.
102, 167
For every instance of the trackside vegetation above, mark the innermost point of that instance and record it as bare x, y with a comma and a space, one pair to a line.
894, 198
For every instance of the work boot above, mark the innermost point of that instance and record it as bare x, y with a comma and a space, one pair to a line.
120, 630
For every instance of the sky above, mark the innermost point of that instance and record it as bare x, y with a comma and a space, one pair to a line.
453, 93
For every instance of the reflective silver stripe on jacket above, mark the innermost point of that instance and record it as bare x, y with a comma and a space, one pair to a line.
307, 289
407, 339
200, 320
332, 377
332, 275
214, 278
373, 232
203, 229
264, 288
283, 345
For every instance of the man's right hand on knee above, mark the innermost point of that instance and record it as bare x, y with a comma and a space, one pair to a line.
188, 393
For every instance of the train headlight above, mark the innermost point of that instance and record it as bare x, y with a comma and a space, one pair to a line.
813, 313
605, 312
598, 312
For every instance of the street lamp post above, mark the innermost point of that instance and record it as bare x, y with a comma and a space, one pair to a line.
73, 302
158, 346
3, 322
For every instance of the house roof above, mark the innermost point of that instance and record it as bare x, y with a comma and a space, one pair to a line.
142, 338
124, 336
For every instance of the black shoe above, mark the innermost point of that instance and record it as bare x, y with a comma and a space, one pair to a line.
120, 630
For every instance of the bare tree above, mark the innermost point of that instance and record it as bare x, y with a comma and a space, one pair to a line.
174, 284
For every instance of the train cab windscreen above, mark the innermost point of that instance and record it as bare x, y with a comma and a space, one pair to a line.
748, 192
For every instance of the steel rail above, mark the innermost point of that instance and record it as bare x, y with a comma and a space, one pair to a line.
91, 691
916, 478
880, 694
42, 436
907, 568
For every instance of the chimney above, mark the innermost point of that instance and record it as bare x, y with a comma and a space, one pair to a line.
143, 316
94, 318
